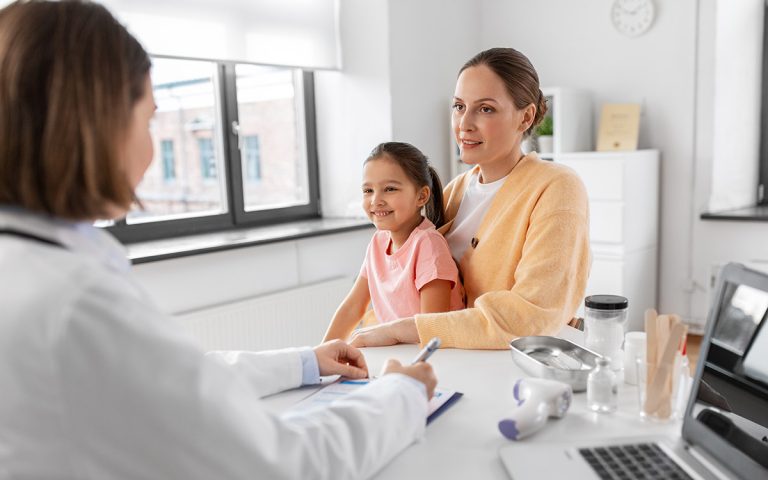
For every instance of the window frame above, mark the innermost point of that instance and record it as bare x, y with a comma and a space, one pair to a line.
762, 174
236, 217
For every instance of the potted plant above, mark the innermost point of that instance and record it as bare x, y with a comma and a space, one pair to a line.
544, 135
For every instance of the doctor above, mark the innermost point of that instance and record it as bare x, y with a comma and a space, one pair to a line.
96, 382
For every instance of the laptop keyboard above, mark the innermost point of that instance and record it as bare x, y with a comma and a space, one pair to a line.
640, 461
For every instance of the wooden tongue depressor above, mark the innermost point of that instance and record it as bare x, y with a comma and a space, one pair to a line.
650, 347
665, 410
662, 333
657, 392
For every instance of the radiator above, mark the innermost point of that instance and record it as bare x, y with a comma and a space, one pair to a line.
290, 318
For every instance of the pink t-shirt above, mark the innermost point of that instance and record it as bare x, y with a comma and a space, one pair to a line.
394, 280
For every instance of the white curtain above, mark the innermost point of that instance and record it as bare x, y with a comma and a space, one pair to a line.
301, 33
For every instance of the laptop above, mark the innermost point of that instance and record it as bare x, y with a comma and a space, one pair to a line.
725, 427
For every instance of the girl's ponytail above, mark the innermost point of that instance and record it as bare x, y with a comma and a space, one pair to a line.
434, 207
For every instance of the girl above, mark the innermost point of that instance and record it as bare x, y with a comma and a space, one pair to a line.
408, 268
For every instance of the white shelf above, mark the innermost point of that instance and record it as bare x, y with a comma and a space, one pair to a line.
571, 112
623, 192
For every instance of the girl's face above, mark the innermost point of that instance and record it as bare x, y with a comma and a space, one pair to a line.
138, 149
487, 126
390, 198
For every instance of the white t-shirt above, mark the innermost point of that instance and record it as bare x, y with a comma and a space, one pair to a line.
475, 202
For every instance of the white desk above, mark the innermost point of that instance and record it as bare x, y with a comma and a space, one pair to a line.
464, 440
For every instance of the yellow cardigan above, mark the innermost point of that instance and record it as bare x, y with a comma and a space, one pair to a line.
527, 270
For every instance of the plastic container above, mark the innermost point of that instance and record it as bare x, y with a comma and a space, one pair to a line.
634, 348
605, 317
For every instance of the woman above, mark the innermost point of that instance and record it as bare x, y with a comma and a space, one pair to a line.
95, 382
518, 226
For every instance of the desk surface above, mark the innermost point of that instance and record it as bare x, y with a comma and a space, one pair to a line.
464, 441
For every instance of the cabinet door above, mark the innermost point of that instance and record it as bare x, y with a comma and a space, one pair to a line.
602, 177
606, 222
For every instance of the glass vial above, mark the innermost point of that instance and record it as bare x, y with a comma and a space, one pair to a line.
602, 388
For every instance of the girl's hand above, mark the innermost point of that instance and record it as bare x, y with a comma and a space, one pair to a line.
399, 331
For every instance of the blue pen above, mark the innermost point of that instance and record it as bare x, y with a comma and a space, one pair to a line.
427, 351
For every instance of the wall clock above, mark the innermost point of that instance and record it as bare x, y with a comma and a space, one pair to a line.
632, 17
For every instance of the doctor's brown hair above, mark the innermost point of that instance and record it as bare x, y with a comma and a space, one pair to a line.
416, 167
70, 75
518, 75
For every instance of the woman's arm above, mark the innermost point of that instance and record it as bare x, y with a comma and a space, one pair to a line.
436, 296
550, 282
350, 311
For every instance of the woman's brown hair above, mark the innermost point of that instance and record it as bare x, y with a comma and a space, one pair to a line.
518, 75
416, 167
70, 75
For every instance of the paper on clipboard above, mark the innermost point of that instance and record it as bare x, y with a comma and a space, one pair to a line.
440, 401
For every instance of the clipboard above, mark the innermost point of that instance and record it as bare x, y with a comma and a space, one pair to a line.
441, 401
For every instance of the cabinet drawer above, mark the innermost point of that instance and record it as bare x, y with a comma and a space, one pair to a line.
603, 177
606, 277
606, 221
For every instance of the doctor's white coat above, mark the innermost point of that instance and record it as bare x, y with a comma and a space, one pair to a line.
96, 383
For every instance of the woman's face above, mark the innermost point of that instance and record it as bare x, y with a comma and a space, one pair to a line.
487, 126
139, 149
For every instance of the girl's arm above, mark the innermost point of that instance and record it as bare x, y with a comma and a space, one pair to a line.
350, 311
436, 296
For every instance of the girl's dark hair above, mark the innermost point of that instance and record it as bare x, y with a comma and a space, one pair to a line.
416, 166
518, 75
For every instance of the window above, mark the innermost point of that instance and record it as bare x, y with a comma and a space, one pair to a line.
252, 158
207, 158
169, 169
235, 147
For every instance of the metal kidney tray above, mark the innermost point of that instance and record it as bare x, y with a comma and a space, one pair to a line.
554, 358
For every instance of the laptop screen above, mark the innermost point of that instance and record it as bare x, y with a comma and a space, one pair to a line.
727, 415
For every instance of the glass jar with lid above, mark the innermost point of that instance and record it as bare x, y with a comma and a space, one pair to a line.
605, 318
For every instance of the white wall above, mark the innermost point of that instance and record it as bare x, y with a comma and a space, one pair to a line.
430, 40
353, 106
399, 64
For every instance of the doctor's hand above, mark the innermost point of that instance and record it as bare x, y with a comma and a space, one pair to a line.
392, 333
338, 358
421, 371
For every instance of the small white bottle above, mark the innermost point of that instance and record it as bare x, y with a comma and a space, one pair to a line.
602, 388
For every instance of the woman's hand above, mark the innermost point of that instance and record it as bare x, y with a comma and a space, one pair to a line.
392, 333
338, 358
